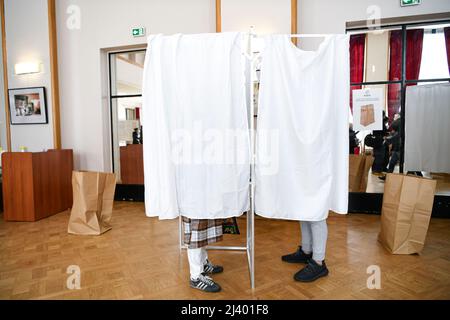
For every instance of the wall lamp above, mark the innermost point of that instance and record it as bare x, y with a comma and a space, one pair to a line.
27, 67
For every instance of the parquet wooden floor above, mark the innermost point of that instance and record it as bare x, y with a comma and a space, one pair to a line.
139, 259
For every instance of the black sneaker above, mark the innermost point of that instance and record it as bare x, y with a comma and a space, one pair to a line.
297, 257
210, 268
311, 272
205, 283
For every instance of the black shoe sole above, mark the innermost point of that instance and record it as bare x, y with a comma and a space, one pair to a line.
205, 290
294, 261
218, 271
324, 273
215, 272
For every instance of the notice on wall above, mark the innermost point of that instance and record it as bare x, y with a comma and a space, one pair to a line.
367, 109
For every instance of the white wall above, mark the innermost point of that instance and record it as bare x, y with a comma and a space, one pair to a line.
108, 23
129, 75
27, 40
266, 16
330, 16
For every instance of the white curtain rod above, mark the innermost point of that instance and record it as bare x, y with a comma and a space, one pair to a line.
310, 35
306, 35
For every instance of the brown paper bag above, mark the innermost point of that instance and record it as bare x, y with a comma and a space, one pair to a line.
368, 161
93, 197
367, 116
406, 213
359, 166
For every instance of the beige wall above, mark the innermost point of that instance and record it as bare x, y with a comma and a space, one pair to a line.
266, 16
85, 118
377, 60
377, 56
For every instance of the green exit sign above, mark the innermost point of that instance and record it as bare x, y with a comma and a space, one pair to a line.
405, 3
138, 32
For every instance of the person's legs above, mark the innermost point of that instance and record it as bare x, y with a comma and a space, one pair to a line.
204, 255
386, 157
377, 166
196, 262
307, 237
208, 267
319, 230
303, 253
316, 267
199, 280
393, 162
197, 235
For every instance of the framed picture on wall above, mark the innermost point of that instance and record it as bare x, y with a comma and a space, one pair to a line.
28, 106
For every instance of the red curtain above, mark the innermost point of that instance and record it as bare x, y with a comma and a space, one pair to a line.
395, 73
414, 43
357, 50
447, 44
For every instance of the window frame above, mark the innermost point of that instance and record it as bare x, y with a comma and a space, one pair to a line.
403, 81
112, 97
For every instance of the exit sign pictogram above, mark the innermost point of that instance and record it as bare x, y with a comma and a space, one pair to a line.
138, 32
405, 3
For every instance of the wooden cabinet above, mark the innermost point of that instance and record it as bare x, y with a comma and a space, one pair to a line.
132, 164
36, 184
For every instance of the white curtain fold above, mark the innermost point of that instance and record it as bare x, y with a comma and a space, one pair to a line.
195, 127
427, 129
302, 136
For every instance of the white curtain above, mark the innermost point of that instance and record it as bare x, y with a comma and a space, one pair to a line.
427, 128
195, 127
302, 138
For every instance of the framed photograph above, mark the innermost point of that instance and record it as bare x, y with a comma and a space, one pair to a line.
28, 106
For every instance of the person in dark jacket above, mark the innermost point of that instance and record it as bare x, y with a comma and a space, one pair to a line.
387, 128
376, 141
137, 136
394, 141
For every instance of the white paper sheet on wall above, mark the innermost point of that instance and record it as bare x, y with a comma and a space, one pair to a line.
367, 109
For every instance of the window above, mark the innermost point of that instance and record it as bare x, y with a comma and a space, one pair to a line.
434, 63
125, 74
397, 57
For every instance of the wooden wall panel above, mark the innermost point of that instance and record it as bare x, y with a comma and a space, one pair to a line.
132, 164
218, 16
18, 196
36, 185
294, 20
54, 73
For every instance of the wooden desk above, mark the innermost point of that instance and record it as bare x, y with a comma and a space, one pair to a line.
132, 164
36, 184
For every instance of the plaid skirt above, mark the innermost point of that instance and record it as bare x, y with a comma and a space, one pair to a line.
199, 233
